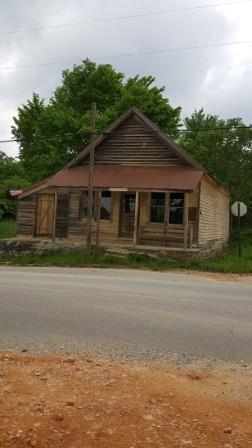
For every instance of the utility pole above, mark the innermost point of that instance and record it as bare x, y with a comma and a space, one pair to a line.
91, 182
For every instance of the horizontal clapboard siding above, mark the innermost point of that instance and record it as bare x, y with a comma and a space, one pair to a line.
26, 216
214, 215
134, 144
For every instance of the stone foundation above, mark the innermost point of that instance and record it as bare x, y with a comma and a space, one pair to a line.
14, 247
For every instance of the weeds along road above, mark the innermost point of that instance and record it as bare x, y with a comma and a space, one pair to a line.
138, 315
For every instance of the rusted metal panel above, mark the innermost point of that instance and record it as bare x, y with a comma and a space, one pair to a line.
130, 177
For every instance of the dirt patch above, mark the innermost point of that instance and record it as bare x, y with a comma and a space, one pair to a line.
81, 402
222, 277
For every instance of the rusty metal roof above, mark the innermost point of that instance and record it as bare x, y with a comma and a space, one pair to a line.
130, 177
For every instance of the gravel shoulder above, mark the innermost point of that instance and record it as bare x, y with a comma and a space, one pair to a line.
76, 402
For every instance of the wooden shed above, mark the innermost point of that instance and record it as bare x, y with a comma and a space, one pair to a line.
148, 193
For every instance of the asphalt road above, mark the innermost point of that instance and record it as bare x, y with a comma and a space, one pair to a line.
138, 315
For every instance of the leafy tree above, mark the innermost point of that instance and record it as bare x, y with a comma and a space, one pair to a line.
11, 176
51, 134
224, 148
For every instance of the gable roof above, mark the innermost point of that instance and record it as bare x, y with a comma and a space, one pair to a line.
187, 181
160, 135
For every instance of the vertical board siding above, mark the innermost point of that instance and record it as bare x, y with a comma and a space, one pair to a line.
26, 216
214, 215
61, 222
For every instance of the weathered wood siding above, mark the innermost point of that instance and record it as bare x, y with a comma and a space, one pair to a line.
69, 223
62, 214
76, 226
134, 144
214, 215
26, 216
193, 216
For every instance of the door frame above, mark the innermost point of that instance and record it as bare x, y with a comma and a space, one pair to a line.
121, 234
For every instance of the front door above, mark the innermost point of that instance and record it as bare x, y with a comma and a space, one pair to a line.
45, 214
127, 214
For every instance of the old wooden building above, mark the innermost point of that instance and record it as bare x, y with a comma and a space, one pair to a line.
148, 193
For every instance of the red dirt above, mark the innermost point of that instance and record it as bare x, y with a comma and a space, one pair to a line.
84, 403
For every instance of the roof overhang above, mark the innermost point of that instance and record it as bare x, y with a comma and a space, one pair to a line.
128, 177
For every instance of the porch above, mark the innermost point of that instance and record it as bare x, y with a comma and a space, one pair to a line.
123, 218
142, 219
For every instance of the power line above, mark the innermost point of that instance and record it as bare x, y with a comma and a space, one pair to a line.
233, 128
110, 19
140, 53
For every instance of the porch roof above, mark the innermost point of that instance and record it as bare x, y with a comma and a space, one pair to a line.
129, 177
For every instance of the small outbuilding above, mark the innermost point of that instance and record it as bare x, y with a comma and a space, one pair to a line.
148, 194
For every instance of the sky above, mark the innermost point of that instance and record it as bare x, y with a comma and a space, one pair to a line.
217, 78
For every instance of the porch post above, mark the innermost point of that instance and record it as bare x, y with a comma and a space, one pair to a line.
135, 236
54, 214
186, 220
98, 216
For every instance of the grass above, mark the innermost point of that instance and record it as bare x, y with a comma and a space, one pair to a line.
226, 263
7, 228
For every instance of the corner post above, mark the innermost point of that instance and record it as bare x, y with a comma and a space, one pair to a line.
185, 221
135, 236
55, 214
98, 217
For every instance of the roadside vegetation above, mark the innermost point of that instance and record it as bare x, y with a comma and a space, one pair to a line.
226, 263
7, 228
229, 262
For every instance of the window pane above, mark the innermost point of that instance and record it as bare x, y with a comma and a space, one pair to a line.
129, 203
157, 214
105, 205
176, 215
177, 199
157, 207
84, 204
158, 199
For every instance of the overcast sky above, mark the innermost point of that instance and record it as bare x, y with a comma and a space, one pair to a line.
217, 78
